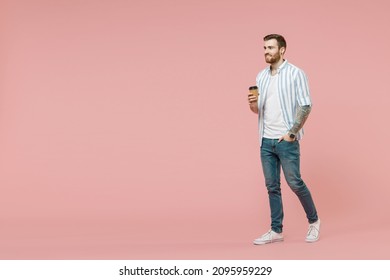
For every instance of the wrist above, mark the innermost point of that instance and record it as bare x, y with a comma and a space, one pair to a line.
291, 135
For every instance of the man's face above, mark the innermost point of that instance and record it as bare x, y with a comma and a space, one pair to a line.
272, 52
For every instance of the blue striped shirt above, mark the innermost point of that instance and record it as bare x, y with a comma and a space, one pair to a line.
293, 91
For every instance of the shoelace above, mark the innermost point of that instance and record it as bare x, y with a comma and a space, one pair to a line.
268, 235
311, 228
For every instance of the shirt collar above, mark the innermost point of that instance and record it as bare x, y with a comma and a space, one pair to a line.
280, 67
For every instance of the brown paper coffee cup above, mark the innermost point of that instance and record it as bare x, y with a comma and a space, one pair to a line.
254, 90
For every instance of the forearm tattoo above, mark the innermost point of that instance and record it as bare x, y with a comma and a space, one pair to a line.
302, 114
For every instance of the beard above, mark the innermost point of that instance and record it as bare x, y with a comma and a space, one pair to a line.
272, 58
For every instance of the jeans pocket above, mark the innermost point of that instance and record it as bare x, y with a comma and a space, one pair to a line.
290, 142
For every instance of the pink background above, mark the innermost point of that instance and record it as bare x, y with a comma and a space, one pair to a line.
125, 131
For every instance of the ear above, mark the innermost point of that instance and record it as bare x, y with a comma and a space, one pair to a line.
282, 50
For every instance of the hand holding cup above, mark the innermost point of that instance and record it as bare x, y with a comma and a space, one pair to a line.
253, 94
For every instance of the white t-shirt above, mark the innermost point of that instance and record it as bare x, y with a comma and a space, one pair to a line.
274, 126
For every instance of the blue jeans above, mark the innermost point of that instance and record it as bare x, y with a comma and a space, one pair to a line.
286, 155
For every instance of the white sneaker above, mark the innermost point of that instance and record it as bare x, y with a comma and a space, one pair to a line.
269, 237
313, 234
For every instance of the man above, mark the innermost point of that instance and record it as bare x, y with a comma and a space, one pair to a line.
283, 106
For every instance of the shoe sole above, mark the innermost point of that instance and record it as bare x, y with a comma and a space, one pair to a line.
268, 242
312, 241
